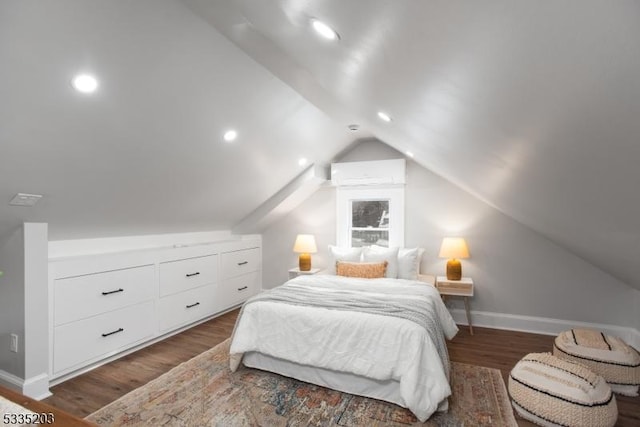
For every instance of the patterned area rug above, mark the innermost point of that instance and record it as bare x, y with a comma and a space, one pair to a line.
204, 392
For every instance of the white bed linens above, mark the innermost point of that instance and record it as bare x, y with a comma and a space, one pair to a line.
380, 347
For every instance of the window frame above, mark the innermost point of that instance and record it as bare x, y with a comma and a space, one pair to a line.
345, 196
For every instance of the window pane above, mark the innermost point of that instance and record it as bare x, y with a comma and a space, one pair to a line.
370, 213
369, 237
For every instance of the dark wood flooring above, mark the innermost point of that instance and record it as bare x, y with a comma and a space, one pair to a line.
86, 393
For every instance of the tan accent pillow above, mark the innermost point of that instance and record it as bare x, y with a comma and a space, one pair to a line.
365, 270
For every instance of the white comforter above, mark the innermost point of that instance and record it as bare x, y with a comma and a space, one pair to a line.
374, 346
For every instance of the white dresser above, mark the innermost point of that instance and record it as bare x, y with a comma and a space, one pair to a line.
240, 275
188, 291
104, 306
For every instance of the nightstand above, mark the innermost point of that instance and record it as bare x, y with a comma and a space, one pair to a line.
457, 288
426, 278
295, 272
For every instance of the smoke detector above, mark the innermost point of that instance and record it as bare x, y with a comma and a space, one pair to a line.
23, 199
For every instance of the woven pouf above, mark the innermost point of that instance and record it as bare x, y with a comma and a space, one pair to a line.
549, 391
610, 357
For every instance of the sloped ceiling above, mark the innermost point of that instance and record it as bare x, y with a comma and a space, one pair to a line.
145, 153
531, 106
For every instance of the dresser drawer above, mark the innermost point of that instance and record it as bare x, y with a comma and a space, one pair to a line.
83, 296
186, 307
184, 274
462, 287
237, 289
101, 336
240, 262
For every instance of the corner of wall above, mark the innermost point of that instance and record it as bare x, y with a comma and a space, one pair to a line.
24, 310
12, 302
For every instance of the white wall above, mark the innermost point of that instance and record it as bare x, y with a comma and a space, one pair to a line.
12, 302
516, 270
316, 215
36, 323
24, 308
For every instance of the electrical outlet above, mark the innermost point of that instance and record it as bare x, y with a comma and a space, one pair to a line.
13, 345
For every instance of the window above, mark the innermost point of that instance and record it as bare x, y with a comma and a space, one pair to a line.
369, 222
370, 215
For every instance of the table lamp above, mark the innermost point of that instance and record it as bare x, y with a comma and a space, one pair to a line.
454, 248
305, 245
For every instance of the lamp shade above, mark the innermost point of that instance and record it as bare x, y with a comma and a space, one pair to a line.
305, 244
454, 247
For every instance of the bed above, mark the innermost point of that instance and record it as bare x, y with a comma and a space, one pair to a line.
382, 338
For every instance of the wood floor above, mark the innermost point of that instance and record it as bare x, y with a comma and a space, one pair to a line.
86, 393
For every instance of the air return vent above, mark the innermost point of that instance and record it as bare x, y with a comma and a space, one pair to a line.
23, 199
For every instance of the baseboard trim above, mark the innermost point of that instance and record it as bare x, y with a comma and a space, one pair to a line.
11, 381
541, 325
35, 387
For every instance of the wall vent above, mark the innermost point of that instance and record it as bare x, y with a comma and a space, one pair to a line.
23, 199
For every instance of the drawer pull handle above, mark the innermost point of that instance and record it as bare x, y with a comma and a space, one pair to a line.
114, 332
193, 274
243, 288
113, 292
243, 263
193, 305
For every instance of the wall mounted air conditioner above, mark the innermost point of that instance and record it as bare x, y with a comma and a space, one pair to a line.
379, 172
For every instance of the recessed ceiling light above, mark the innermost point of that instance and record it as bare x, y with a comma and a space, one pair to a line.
85, 83
324, 30
302, 161
230, 135
384, 116
409, 154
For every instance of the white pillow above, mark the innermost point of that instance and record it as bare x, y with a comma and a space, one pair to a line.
380, 253
342, 254
408, 261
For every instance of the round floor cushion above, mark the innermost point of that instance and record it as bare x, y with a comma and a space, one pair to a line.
550, 391
607, 356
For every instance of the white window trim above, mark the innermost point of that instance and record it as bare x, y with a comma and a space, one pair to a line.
344, 197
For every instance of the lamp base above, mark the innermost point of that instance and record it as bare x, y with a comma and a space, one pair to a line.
304, 262
454, 269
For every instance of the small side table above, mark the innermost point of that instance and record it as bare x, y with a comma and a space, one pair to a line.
457, 288
426, 278
295, 272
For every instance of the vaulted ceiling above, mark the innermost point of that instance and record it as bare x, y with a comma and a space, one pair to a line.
145, 153
531, 106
